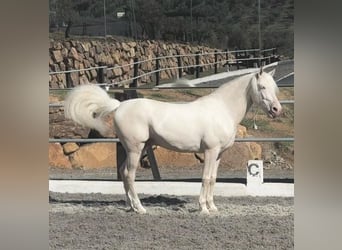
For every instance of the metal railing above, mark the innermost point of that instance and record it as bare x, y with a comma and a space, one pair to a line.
134, 87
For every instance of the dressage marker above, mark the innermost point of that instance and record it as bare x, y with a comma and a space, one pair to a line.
207, 125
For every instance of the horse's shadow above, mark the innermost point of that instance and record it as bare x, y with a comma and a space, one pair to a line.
163, 201
87, 203
148, 201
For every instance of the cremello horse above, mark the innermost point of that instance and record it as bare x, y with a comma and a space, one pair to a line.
207, 125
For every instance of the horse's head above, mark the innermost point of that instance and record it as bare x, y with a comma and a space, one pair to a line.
264, 93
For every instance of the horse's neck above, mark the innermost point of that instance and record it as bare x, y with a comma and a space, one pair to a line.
236, 96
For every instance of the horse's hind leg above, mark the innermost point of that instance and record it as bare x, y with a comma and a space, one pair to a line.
210, 159
128, 176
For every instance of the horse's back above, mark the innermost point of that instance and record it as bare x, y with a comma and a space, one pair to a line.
178, 126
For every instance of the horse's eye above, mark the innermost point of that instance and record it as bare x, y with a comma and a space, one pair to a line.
261, 87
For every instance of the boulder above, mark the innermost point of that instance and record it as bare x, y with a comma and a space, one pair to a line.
57, 157
117, 71
132, 44
73, 54
116, 57
70, 147
84, 80
126, 47
241, 131
237, 156
74, 77
57, 56
95, 155
170, 158
132, 52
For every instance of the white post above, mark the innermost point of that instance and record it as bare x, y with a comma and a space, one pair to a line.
255, 173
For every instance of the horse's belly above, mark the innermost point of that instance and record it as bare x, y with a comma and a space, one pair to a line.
178, 143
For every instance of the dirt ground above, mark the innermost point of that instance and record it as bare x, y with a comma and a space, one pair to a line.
96, 221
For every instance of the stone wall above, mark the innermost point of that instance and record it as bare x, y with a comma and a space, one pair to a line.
82, 54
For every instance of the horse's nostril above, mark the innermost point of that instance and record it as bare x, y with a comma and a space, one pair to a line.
274, 109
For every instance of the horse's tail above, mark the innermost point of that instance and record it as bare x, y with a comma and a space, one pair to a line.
87, 105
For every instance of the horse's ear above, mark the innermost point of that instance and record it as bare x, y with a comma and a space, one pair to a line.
272, 72
259, 73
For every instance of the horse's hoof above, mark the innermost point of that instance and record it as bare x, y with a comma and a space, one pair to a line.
204, 212
213, 209
141, 210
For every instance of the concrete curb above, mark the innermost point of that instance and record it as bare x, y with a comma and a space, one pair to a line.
171, 188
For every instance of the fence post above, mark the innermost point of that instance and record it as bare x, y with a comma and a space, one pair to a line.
67, 75
236, 60
120, 159
274, 56
102, 76
135, 73
132, 93
179, 63
215, 65
153, 163
157, 70
227, 60
267, 55
197, 64
259, 60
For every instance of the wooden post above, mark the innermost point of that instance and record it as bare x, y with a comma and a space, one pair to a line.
153, 162
157, 70
133, 92
67, 75
227, 60
179, 63
215, 65
102, 76
120, 158
197, 63
237, 60
135, 73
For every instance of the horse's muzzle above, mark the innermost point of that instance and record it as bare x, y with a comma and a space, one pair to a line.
275, 111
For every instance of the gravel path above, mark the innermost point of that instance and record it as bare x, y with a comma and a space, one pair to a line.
97, 221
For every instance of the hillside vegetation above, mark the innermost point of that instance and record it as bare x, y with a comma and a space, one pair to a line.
217, 23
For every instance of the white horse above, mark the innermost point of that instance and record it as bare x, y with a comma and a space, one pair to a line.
207, 125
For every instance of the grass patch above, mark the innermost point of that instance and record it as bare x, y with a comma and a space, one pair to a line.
159, 97
263, 125
190, 92
60, 93
284, 147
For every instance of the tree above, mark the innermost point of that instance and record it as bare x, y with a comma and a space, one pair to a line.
66, 14
150, 16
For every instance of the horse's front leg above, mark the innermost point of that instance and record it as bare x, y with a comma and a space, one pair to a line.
210, 159
210, 195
